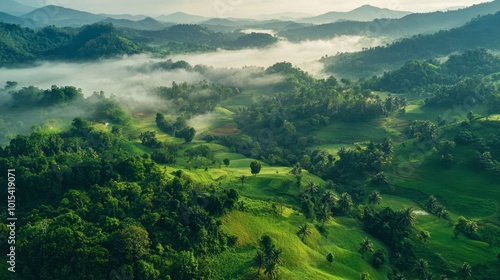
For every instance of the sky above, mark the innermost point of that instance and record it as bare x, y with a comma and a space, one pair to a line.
244, 8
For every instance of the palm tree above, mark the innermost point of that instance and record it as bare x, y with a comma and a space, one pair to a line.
375, 198
421, 268
345, 203
259, 260
324, 216
431, 204
311, 188
366, 246
329, 200
303, 231
271, 270
399, 276
364, 276
407, 218
465, 270
423, 236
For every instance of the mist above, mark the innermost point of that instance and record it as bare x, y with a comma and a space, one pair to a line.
132, 78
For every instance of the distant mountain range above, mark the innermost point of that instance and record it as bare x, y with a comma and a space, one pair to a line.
418, 23
363, 13
180, 17
144, 24
60, 16
15, 8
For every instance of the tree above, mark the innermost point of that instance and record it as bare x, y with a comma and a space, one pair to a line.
431, 204
226, 162
465, 271
185, 266
132, 242
188, 134
268, 257
259, 260
345, 203
375, 198
423, 236
329, 258
366, 246
407, 218
379, 258
255, 167
421, 268
304, 231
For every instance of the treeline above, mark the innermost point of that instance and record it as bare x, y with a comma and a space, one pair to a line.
192, 99
193, 34
96, 212
31, 108
22, 45
431, 75
475, 34
284, 120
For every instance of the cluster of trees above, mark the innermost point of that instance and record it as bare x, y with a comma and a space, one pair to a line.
22, 45
281, 123
196, 35
268, 257
361, 162
431, 75
97, 212
200, 98
320, 205
475, 34
435, 207
395, 229
179, 128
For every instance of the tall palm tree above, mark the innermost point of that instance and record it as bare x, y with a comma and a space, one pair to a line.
304, 231
366, 246
465, 271
407, 218
259, 260
421, 268
345, 203
329, 200
311, 188
375, 198
271, 270
431, 203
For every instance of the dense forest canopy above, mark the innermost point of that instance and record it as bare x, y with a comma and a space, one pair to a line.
202, 172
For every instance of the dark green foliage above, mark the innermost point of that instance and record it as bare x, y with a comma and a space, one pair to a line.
104, 212
475, 34
19, 45
361, 162
422, 130
196, 98
379, 258
268, 257
329, 258
255, 167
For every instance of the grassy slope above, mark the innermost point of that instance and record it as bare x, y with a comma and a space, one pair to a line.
456, 188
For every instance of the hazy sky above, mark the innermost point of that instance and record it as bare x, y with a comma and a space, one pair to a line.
244, 8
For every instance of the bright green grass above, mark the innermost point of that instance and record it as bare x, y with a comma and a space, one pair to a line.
350, 133
301, 260
218, 118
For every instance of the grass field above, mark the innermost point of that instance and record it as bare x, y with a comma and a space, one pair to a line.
413, 175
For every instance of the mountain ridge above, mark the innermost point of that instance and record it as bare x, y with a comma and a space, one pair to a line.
362, 13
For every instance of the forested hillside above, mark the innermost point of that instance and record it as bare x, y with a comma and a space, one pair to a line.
476, 34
